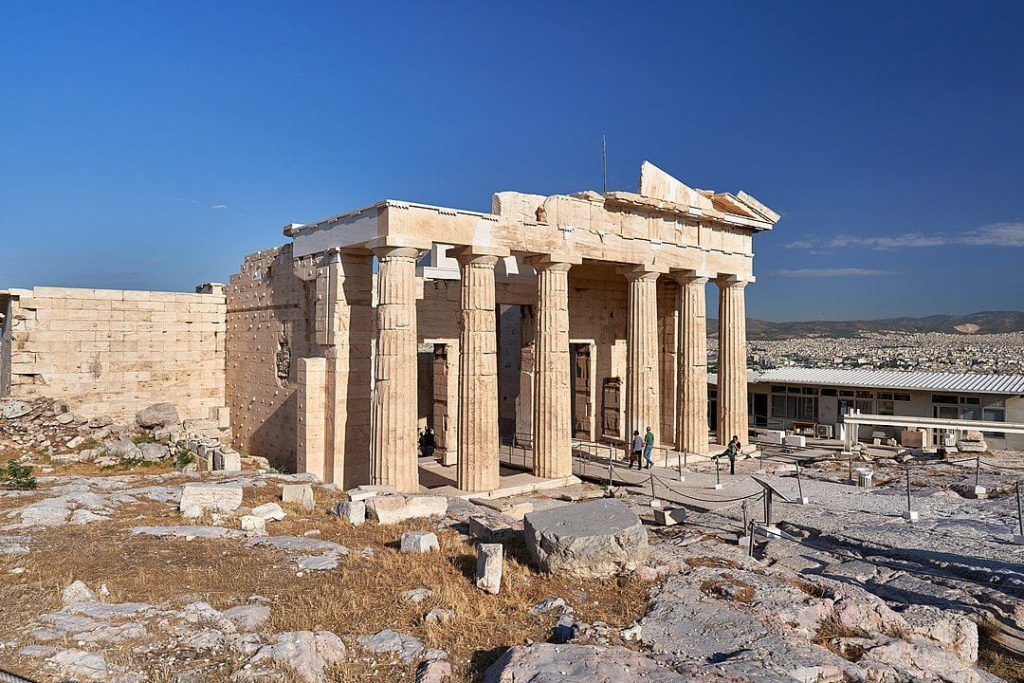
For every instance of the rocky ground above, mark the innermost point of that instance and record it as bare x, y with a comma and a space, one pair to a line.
125, 570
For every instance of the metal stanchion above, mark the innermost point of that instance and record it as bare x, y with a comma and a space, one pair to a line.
800, 487
979, 490
911, 514
750, 538
1020, 518
718, 473
849, 469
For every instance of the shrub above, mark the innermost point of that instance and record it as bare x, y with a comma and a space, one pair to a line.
17, 476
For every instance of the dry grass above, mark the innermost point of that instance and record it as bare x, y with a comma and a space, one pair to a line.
713, 562
728, 588
996, 659
360, 597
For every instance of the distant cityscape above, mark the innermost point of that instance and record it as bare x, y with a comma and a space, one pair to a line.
926, 352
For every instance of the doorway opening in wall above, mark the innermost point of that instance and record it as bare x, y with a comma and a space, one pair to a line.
760, 409
510, 344
611, 397
580, 368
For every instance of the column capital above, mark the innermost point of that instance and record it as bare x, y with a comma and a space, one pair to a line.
384, 246
410, 253
735, 281
643, 271
558, 258
471, 251
686, 276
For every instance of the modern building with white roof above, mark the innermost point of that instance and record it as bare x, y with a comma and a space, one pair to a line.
780, 397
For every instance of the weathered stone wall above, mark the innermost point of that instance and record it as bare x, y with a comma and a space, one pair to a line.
270, 325
7, 310
112, 352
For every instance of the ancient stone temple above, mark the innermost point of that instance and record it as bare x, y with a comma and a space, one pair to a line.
549, 320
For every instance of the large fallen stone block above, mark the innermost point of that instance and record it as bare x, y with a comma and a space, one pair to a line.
199, 498
157, 415
398, 508
597, 539
577, 664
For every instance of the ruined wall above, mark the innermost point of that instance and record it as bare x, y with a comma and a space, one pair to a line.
270, 325
113, 352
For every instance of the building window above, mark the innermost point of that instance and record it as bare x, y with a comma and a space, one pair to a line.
902, 397
885, 407
828, 392
945, 398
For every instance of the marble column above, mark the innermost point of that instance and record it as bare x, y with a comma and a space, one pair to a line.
732, 360
643, 396
478, 375
552, 416
692, 383
395, 391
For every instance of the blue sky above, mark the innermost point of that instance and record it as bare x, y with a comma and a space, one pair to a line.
152, 145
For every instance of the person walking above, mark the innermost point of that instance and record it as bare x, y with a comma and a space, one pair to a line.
649, 447
731, 451
636, 449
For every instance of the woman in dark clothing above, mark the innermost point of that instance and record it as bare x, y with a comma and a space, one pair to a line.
428, 443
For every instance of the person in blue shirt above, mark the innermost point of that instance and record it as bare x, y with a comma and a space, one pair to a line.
648, 447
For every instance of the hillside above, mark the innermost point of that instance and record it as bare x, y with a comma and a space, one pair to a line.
986, 322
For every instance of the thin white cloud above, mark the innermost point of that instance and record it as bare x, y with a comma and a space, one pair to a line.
218, 207
1008, 234
830, 272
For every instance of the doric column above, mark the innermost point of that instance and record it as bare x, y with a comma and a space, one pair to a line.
552, 417
642, 387
478, 374
395, 390
732, 360
692, 381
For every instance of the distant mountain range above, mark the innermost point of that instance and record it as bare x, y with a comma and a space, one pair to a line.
986, 322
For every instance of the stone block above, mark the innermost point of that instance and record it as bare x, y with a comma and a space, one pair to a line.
773, 436
157, 415
362, 493
796, 440
670, 516
353, 513
596, 539
298, 494
210, 497
419, 542
489, 563
252, 523
269, 512
494, 527
398, 508
231, 461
